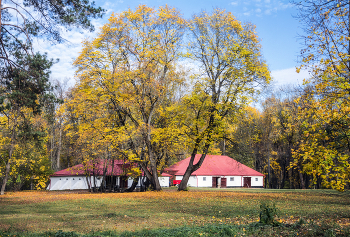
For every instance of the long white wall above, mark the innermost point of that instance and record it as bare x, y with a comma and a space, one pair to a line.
71, 183
79, 182
231, 181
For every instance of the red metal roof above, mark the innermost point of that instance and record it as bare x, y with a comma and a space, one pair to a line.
95, 167
214, 165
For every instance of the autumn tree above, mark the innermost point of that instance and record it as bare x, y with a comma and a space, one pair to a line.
130, 71
21, 92
24, 74
326, 56
231, 70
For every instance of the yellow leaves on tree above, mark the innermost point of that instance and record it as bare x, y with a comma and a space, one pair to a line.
127, 84
324, 147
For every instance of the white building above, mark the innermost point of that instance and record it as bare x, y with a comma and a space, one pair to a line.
81, 177
217, 171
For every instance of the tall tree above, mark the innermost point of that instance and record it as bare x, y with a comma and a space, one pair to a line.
24, 74
26, 87
327, 57
231, 69
130, 71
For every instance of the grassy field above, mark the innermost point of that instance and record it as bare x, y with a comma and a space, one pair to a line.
82, 212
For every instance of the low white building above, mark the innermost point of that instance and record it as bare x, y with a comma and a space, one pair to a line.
217, 171
82, 177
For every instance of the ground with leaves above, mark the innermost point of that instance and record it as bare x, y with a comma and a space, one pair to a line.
206, 210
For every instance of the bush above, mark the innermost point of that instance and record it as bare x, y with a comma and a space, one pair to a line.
267, 214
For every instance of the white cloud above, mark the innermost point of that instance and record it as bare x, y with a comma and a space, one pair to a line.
259, 7
289, 76
67, 52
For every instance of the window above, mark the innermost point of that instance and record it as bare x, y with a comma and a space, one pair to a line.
204, 178
232, 179
256, 179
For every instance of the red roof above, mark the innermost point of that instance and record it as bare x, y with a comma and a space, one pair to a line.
95, 167
214, 165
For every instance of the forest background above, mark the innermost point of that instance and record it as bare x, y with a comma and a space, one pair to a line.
153, 88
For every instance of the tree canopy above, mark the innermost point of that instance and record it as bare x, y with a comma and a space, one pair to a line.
24, 83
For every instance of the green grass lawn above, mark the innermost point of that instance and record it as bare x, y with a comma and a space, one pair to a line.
232, 211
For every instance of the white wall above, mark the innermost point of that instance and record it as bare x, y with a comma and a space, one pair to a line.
205, 181
198, 181
259, 182
164, 181
192, 181
79, 182
236, 182
71, 183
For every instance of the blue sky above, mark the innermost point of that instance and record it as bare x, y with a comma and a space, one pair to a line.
275, 23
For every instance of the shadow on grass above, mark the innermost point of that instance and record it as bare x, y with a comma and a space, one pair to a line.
206, 230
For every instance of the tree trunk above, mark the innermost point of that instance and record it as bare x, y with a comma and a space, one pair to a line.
88, 182
133, 186
268, 169
58, 156
302, 183
155, 181
103, 184
192, 168
283, 177
112, 175
0, 15
8, 164
52, 147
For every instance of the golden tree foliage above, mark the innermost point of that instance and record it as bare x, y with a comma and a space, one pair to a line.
324, 142
127, 80
23, 150
324, 146
231, 69
129, 93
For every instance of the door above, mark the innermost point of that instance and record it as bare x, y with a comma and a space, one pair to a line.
223, 182
123, 182
247, 182
215, 182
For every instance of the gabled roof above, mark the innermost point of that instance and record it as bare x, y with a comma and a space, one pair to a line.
94, 168
214, 165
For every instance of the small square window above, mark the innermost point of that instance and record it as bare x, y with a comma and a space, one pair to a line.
204, 178
256, 179
232, 179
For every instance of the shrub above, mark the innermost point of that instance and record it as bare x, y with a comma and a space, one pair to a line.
267, 213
